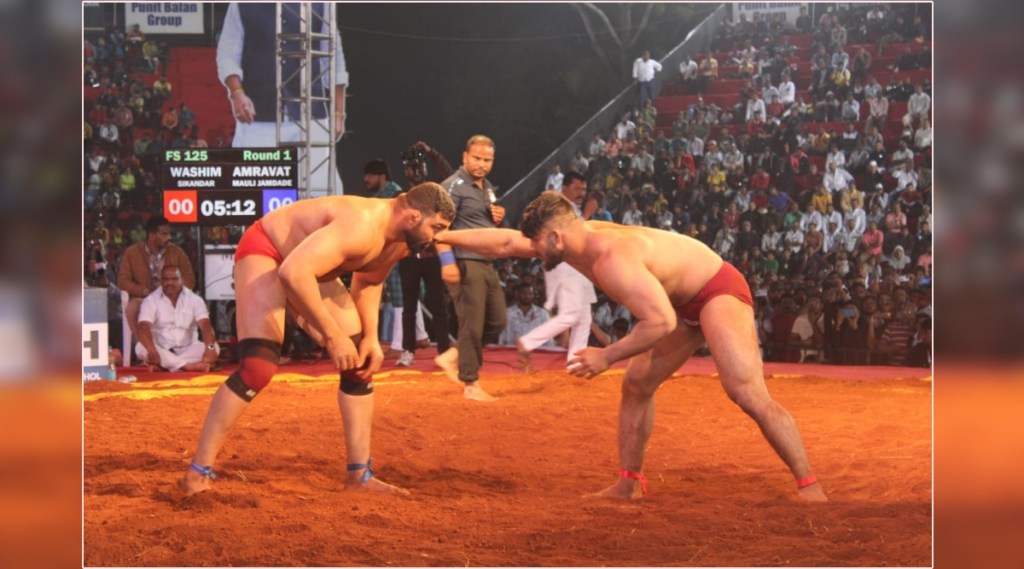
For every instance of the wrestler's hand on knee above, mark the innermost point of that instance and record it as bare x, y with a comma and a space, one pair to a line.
371, 354
342, 352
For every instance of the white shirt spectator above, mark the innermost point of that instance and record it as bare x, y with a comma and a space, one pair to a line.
633, 217
833, 241
851, 110
623, 129
860, 217
806, 219
873, 89
919, 104
803, 328
901, 156
847, 240
755, 105
519, 324
644, 162
96, 162
837, 158
688, 69
555, 181
770, 241
645, 70
174, 326
108, 132
834, 217
732, 158
725, 240
695, 146
665, 219
580, 164
837, 180
903, 177
787, 93
794, 240
596, 147
923, 138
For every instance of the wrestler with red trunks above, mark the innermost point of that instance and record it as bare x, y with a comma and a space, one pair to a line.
291, 259
682, 294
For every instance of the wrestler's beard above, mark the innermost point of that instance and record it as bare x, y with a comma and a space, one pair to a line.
416, 243
552, 258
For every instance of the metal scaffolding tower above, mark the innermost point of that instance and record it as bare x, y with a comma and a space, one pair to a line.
305, 90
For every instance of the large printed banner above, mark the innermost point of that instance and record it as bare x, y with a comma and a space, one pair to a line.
165, 17
785, 12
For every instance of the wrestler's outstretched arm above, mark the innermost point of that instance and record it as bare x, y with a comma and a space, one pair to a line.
489, 242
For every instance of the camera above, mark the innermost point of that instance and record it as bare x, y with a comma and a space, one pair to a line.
413, 156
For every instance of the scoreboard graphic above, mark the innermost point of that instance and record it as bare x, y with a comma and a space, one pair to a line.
227, 186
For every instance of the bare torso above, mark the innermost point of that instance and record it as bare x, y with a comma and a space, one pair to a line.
681, 264
343, 216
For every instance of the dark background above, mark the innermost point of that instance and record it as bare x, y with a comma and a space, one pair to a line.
523, 74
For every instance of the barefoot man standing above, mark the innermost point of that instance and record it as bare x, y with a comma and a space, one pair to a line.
682, 295
292, 259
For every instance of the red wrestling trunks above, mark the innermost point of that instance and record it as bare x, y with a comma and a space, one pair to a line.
255, 242
726, 281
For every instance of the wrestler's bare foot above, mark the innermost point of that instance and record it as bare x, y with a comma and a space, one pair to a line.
812, 493
354, 484
449, 364
523, 357
624, 489
474, 392
193, 483
197, 366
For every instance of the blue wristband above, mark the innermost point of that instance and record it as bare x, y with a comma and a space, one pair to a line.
447, 258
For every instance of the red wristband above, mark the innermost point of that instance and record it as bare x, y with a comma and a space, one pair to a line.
635, 476
805, 482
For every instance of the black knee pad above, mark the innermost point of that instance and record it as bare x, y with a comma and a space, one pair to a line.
351, 383
257, 362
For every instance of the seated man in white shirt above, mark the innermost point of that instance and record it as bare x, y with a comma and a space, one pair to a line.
168, 320
523, 317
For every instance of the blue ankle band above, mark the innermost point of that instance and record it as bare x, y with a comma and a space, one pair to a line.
206, 471
369, 471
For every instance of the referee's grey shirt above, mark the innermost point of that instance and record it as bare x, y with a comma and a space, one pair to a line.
472, 207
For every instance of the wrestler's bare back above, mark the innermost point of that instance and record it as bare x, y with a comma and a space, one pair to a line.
356, 223
680, 263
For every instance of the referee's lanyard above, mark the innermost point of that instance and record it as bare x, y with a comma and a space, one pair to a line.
156, 262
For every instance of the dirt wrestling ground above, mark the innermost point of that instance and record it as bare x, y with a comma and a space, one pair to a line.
500, 484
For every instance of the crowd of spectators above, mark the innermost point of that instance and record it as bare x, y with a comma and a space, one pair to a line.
809, 184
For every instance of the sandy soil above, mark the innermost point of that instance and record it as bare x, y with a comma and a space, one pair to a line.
500, 484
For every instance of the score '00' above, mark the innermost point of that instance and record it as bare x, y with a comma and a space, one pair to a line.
180, 207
